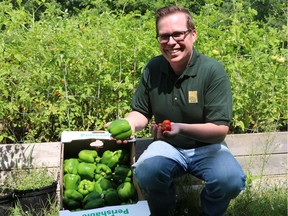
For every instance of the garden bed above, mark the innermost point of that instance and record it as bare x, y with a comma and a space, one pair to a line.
27, 156
260, 154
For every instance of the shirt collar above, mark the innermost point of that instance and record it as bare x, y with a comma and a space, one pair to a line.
189, 72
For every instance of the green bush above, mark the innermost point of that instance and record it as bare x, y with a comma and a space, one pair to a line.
252, 56
76, 72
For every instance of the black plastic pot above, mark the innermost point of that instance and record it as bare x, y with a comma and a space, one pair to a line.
37, 200
6, 202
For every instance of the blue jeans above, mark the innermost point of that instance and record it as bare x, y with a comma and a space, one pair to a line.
160, 163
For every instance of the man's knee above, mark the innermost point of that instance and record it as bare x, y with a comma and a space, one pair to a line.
235, 185
228, 185
154, 173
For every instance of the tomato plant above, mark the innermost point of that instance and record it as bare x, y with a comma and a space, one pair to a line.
65, 71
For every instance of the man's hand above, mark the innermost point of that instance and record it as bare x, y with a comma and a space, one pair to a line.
164, 130
120, 130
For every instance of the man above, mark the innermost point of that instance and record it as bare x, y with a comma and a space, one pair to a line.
193, 92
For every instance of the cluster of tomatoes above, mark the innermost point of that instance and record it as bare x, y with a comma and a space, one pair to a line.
165, 125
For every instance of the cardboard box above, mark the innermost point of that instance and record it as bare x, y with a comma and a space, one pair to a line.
139, 209
72, 143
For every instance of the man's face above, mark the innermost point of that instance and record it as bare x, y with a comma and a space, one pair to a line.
176, 52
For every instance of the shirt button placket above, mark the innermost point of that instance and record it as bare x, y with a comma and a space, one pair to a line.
176, 92
174, 98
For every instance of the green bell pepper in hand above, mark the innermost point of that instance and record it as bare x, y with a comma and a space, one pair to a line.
120, 129
85, 187
88, 156
70, 165
86, 170
72, 199
71, 181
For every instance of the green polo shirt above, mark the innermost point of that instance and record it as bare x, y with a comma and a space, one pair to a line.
201, 94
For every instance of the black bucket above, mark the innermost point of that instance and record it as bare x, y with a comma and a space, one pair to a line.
6, 202
36, 201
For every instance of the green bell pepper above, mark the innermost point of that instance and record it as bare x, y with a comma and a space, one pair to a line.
70, 165
86, 170
85, 187
102, 185
123, 171
126, 191
111, 197
122, 174
110, 158
88, 156
120, 129
71, 181
71, 204
102, 170
91, 196
124, 135
124, 156
72, 199
93, 200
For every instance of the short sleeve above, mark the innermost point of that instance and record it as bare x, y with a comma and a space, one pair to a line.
140, 101
218, 97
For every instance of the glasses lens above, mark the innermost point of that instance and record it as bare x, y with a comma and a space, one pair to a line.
177, 36
164, 38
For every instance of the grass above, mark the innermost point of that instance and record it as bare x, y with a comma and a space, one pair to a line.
52, 211
26, 179
261, 200
256, 200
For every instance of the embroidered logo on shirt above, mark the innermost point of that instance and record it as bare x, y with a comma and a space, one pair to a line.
192, 97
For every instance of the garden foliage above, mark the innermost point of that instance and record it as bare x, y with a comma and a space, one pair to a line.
75, 68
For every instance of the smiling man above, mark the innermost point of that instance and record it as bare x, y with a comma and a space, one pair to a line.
177, 51
193, 92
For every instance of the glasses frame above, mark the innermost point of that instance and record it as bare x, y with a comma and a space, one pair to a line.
173, 35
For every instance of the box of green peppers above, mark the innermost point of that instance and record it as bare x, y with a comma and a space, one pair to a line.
97, 178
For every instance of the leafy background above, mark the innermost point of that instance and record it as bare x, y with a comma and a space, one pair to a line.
74, 65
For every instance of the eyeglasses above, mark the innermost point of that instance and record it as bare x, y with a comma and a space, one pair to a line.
177, 36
